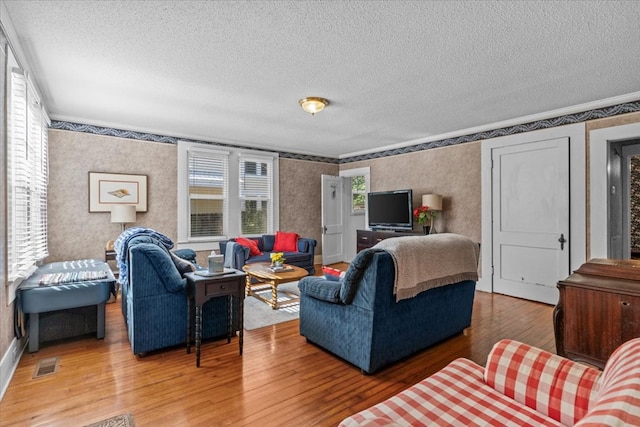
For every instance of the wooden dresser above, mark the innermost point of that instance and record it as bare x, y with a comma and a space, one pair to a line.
598, 309
368, 238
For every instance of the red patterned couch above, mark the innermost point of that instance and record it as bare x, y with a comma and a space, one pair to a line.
520, 386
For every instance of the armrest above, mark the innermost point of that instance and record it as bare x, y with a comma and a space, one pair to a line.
552, 385
188, 254
321, 289
306, 245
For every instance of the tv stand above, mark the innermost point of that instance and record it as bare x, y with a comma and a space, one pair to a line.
368, 238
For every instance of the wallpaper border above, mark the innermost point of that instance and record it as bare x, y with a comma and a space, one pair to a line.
599, 113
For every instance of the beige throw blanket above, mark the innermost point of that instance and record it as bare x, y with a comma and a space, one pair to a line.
425, 262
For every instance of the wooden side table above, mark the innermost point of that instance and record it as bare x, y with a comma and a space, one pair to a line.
598, 310
201, 289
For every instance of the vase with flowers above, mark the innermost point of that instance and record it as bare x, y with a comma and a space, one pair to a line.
277, 259
425, 217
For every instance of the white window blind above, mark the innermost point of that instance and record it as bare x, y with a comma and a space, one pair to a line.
256, 195
224, 194
208, 190
27, 176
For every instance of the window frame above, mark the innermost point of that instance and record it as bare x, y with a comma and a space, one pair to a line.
232, 222
26, 175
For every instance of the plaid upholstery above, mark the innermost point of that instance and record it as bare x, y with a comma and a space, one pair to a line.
520, 386
454, 396
550, 384
618, 400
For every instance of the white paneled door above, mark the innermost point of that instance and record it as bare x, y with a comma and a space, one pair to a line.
530, 187
332, 219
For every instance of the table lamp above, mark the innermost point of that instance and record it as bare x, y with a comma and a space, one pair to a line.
434, 202
123, 214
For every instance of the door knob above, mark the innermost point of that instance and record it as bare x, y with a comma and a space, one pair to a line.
562, 241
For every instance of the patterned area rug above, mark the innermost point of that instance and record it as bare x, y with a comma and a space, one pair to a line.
124, 420
258, 314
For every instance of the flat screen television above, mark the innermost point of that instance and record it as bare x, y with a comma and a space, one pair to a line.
390, 210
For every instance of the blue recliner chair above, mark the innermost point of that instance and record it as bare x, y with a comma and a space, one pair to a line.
154, 300
359, 319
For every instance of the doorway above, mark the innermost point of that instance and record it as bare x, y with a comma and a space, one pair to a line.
504, 257
343, 212
607, 199
624, 199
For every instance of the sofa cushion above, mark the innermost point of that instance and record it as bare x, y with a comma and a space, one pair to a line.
268, 240
455, 395
182, 265
541, 380
251, 244
289, 258
303, 245
286, 242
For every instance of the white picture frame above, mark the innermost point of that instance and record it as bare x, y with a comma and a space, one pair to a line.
108, 189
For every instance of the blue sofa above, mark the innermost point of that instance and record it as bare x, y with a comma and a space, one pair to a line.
302, 258
359, 320
154, 300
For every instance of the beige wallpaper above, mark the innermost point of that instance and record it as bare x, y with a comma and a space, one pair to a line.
453, 172
300, 201
74, 232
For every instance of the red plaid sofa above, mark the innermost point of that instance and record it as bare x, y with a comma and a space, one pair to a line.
520, 386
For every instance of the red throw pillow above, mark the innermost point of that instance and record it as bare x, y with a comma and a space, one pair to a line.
286, 242
251, 244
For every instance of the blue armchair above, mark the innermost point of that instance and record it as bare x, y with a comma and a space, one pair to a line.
302, 258
154, 299
359, 319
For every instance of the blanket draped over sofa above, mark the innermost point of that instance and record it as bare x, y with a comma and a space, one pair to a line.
426, 262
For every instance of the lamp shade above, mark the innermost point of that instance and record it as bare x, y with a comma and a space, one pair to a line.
433, 201
123, 214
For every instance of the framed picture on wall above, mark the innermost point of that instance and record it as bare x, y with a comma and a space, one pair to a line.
108, 189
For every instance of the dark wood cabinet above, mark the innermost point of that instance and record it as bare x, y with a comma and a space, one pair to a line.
598, 309
368, 238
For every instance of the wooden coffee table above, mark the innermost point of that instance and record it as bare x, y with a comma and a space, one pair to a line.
261, 273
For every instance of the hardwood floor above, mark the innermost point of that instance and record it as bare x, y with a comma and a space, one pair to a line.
280, 379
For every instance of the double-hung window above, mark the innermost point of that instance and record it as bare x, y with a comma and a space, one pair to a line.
208, 189
27, 176
256, 195
223, 194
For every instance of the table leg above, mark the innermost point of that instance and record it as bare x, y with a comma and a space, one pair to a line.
241, 322
100, 320
34, 332
274, 295
247, 286
229, 318
198, 332
188, 326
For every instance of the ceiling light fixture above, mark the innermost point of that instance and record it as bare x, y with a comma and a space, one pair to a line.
313, 104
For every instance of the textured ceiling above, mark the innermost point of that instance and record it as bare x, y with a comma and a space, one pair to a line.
396, 73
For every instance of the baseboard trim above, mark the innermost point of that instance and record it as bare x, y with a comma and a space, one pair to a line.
9, 363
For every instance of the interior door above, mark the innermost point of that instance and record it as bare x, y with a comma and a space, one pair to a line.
530, 208
332, 219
